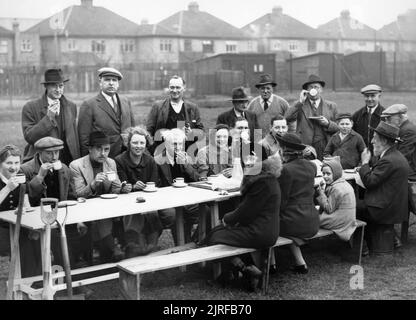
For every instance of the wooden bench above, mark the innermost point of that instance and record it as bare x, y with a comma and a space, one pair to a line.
131, 271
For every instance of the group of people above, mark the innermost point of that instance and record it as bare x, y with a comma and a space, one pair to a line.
282, 148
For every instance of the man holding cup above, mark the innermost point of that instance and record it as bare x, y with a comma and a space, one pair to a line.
93, 175
315, 117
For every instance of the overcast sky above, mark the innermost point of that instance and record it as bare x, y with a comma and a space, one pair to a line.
374, 13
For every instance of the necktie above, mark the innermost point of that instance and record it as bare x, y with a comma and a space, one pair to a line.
266, 105
113, 98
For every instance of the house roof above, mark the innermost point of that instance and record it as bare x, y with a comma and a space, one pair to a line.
5, 32
279, 25
153, 29
346, 27
88, 21
404, 28
24, 23
200, 24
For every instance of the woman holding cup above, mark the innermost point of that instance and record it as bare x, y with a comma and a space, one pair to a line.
138, 170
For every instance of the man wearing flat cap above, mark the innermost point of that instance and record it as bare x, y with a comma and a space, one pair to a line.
267, 105
93, 175
397, 115
107, 112
312, 116
386, 197
369, 115
52, 115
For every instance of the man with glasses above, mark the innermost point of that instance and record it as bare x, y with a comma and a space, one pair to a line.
267, 105
174, 112
369, 115
52, 115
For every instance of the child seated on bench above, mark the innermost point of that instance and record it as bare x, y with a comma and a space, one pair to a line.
336, 201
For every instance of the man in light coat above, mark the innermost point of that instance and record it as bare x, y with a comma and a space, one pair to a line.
107, 112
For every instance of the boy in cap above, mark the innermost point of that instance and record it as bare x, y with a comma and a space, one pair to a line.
347, 144
90, 178
52, 115
108, 112
369, 115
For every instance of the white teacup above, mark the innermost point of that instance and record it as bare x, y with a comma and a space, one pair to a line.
111, 175
179, 181
57, 165
21, 178
150, 186
313, 92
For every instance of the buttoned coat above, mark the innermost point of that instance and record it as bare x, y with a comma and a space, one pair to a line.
82, 175
361, 126
97, 114
37, 189
300, 113
158, 116
36, 125
386, 195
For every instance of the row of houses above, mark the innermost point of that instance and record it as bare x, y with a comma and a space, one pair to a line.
89, 35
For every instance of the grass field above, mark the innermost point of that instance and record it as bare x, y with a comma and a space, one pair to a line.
329, 260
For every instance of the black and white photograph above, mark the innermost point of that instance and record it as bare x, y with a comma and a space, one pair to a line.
210, 154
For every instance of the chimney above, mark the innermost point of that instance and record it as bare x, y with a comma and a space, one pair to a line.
193, 6
345, 14
144, 21
16, 47
86, 3
277, 11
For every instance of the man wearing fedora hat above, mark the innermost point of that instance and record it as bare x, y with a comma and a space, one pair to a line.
52, 115
240, 100
369, 115
267, 105
386, 197
314, 117
108, 112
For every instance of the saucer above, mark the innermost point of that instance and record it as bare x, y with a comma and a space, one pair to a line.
150, 190
179, 185
109, 196
67, 203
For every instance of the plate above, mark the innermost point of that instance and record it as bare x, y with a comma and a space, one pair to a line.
150, 190
29, 209
109, 196
67, 203
350, 171
179, 185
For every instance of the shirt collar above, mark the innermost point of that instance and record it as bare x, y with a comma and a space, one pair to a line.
316, 102
108, 98
177, 106
371, 110
237, 115
384, 152
170, 159
269, 101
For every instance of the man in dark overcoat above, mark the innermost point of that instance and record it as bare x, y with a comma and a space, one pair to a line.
52, 115
107, 112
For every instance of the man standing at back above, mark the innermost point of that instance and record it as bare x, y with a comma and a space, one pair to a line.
174, 112
267, 105
52, 115
107, 112
369, 115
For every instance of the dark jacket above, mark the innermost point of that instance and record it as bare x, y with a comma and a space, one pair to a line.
158, 116
298, 215
349, 149
36, 125
38, 190
386, 195
360, 118
309, 130
408, 146
145, 171
255, 222
98, 114
229, 119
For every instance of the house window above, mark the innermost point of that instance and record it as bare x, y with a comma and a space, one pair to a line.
327, 45
293, 46
71, 45
231, 46
166, 45
98, 46
127, 46
207, 46
250, 46
26, 46
311, 45
258, 68
3, 46
187, 45
276, 45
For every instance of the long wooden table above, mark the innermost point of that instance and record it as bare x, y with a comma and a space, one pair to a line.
124, 205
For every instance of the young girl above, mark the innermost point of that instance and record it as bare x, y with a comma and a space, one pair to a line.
337, 201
